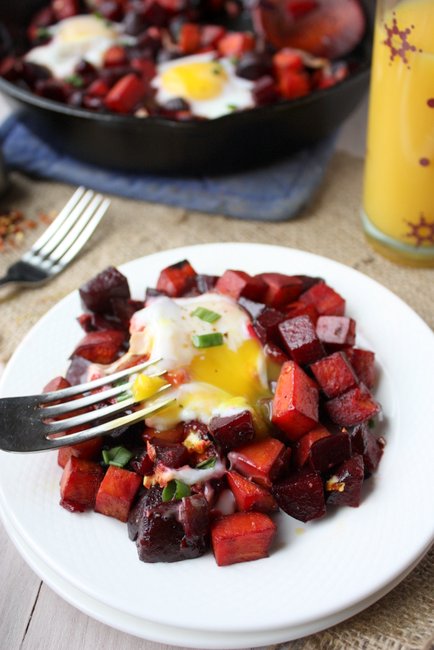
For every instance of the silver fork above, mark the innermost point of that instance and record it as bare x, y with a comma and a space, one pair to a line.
61, 241
28, 423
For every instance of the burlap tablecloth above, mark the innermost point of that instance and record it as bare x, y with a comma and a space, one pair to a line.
404, 619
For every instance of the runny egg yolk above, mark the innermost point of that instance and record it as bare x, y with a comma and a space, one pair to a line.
199, 80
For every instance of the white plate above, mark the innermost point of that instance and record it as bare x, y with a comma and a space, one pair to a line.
337, 565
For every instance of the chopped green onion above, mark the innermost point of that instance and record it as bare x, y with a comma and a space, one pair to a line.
75, 80
117, 456
207, 340
232, 107
371, 423
208, 463
175, 490
206, 314
43, 33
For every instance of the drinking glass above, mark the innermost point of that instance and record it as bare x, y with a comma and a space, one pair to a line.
398, 198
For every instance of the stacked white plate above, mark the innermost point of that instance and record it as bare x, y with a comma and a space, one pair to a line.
318, 574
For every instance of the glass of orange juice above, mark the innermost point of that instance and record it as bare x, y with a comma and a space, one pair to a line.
398, 198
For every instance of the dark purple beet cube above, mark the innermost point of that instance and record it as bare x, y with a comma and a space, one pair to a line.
368, 445
194, 515
232, 431
330, 451
301, 495
363, 362
98, 292
344, 488
205, 283
266, 325
336, 332
170, 454
300, 340
150, 499
353, 407
334, 374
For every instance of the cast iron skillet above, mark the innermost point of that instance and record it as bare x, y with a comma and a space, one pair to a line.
229, 143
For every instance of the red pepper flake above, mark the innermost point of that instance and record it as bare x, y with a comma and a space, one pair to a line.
14, 224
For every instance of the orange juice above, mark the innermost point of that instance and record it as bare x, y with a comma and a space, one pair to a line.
398, 202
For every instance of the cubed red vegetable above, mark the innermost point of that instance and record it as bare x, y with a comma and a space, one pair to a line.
304, 444
363, 362
79, 484
126, 94
232, 431
334, 374
88, 450
329, 451
262, 461
336, 332
102, 346
242, 537
177, 279
301, 495
292, 85
97, 293
368, 445
116, 492
344, 488
236, 44
325, 299
295, 403
238, 283
281, 289
249, 495
189, 38
300, 340
353, 407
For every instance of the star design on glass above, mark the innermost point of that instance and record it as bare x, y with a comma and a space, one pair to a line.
422, 232
397, 41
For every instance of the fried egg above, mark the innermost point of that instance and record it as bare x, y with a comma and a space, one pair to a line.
223, 379
76, 38
207, 83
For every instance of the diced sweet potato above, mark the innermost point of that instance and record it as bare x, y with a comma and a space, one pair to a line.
326, 300
116, 492
301, 495
334, 374
295, 403
300, 340
242, 537
97, 293
363, 362
262, 461
344, 488
88, 450
368, 445
353, 407
101, 346
238, 283
304, 444
232, 431
79, 484
330, 451
177, 279
249, 495
281, 289
336, 332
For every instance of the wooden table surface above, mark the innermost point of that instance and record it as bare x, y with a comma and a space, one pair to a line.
32, 616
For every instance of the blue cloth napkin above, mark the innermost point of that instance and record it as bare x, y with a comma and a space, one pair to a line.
275, 192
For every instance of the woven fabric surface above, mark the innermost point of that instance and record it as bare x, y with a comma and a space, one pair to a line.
403, 619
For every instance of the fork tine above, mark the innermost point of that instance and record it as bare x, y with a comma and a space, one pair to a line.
72, 391
93, 432
68, 221
79, 235
83, 418
58, 221
77, 404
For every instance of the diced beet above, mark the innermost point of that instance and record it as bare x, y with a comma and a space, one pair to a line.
363, 362
334, 374
325, 300
124, 308
353, 407
301, 495
177, 279
126, 94
249, 495
275, 354
299, 308
266, 325
189, 38
205, 283
142, 464
116, 492
91, 322
336, 332
88, 450
304, 444
232, 431
236, 44
148, 500
172, 531
242, 537
281, 289
101, 346
238, 283
262, 461
344, 488
368, 445
294, 84
300, 340
56, 384
295, 403
79, 484
329, 451
170, 454
77, 372
97, 293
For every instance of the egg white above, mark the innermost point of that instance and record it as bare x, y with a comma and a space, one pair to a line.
236, 93
73, 39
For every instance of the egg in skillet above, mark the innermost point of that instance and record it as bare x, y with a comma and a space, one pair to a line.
207, 83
